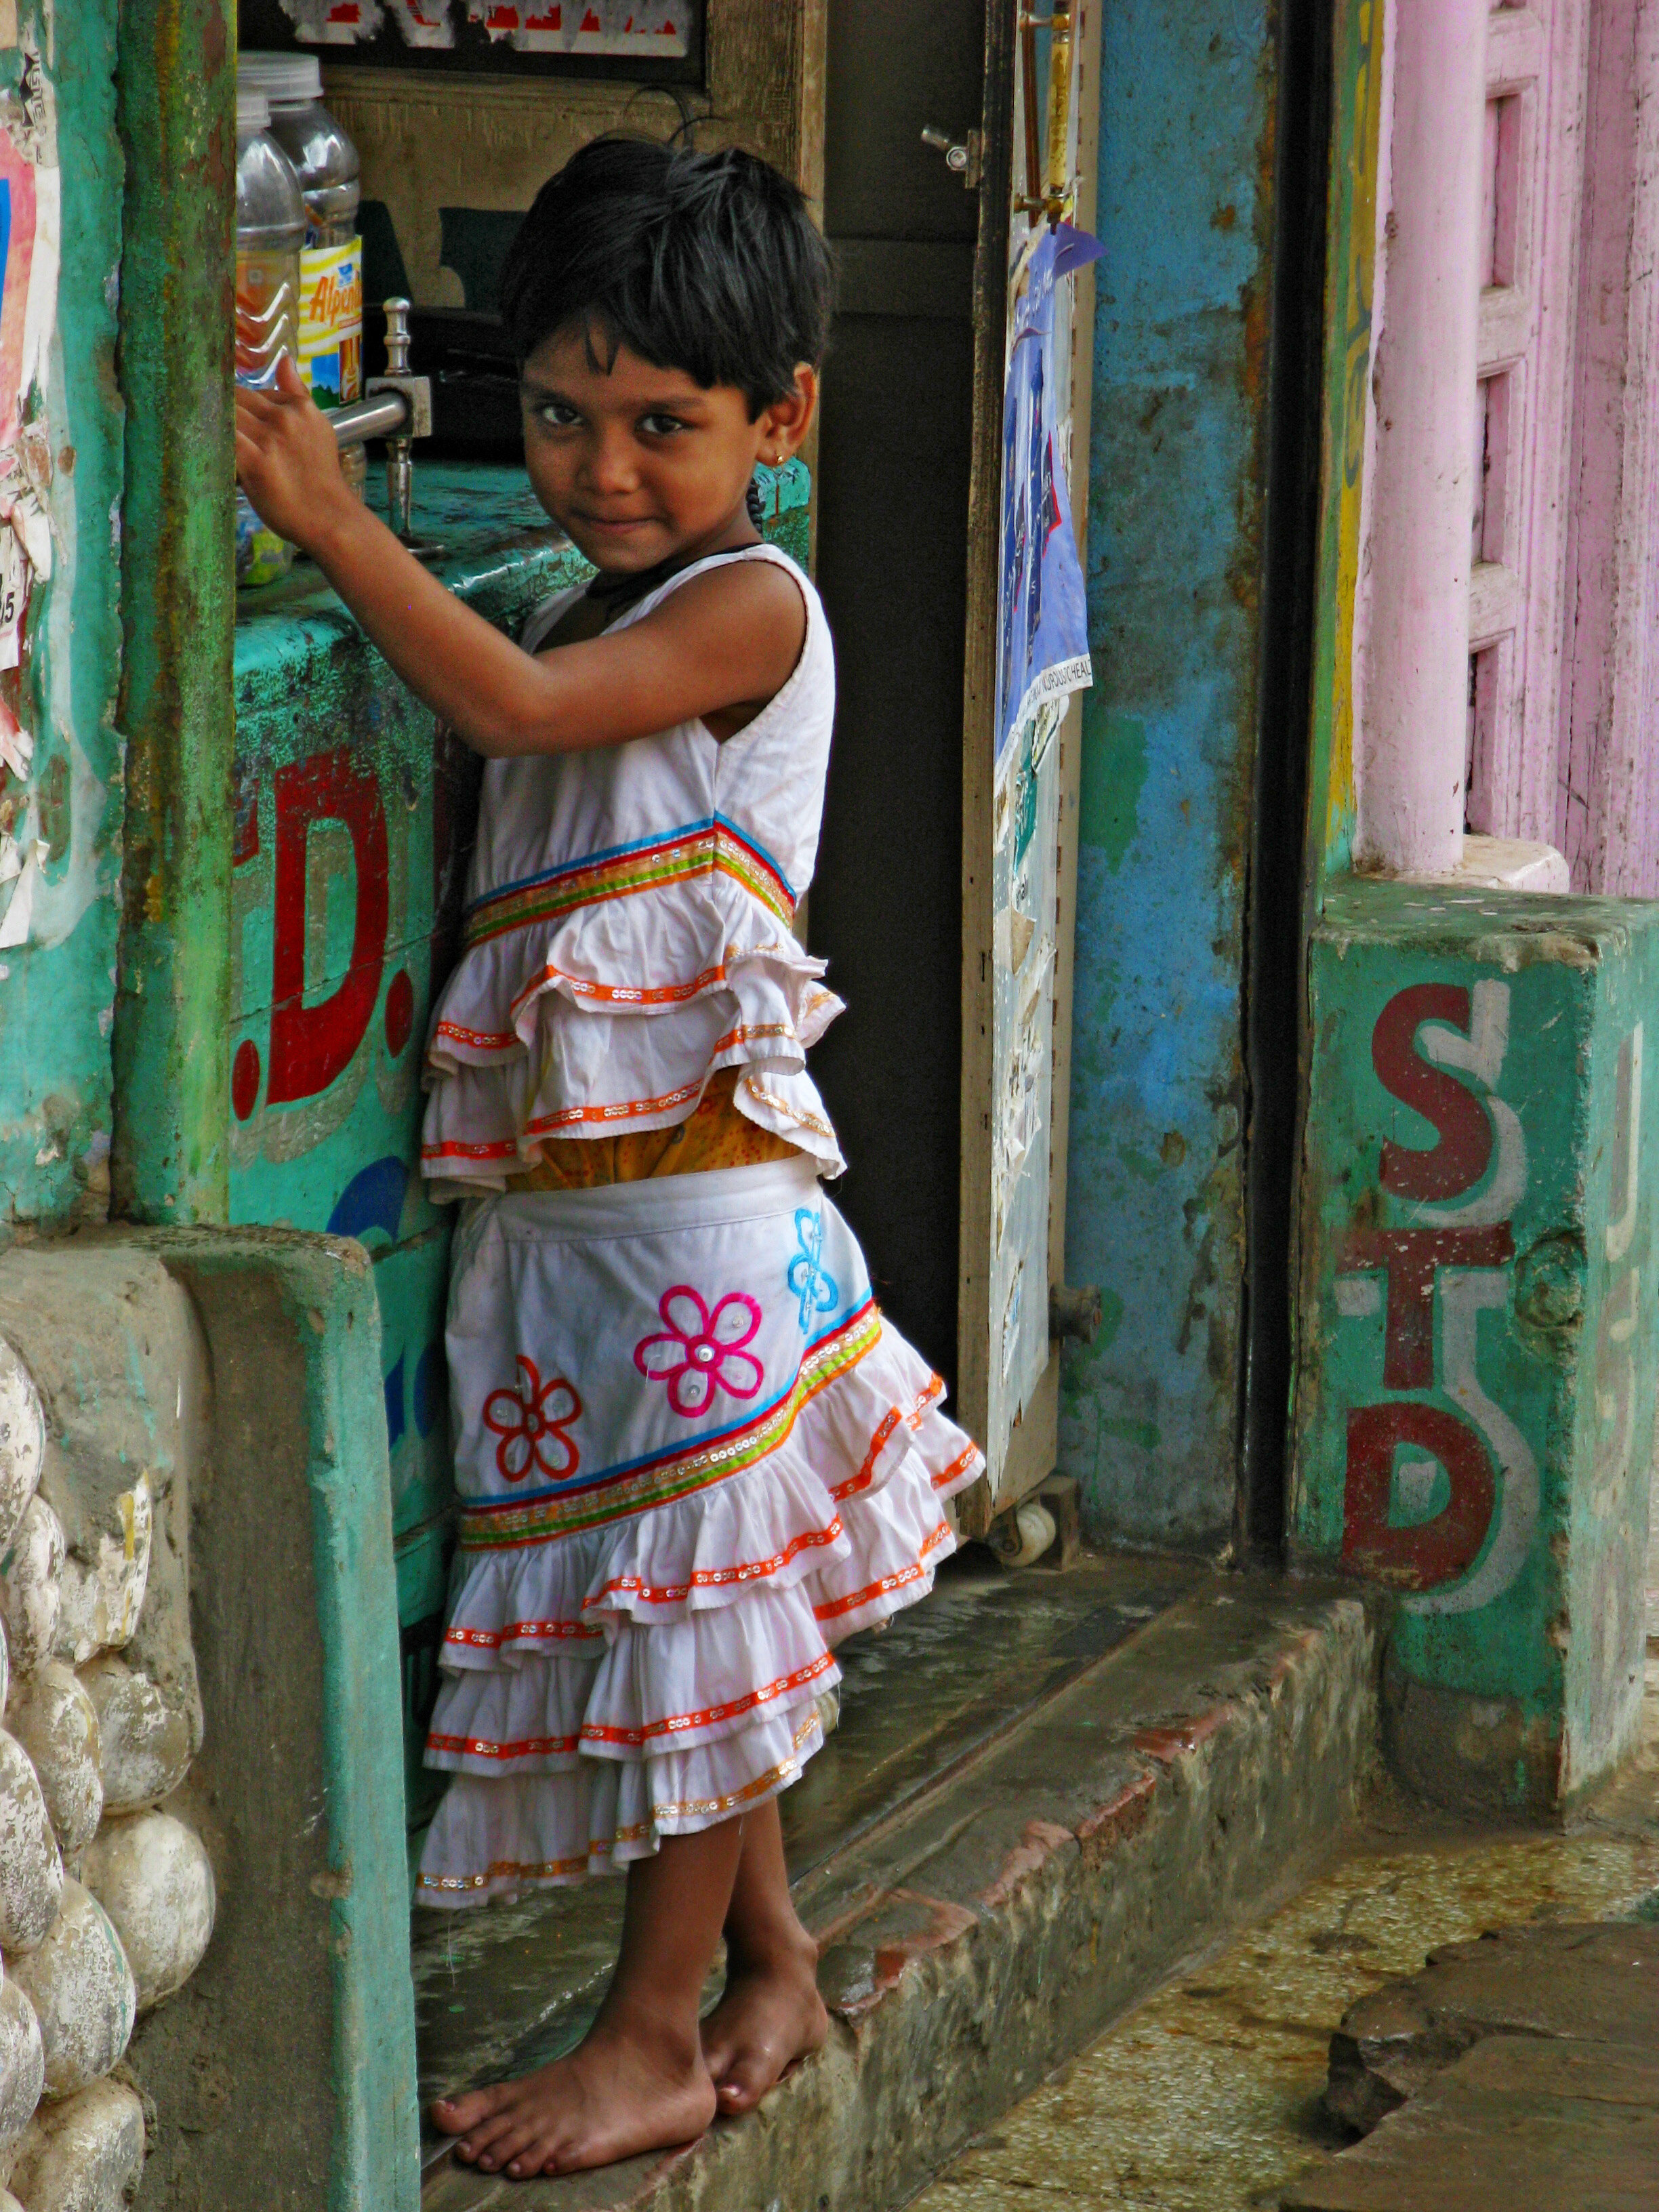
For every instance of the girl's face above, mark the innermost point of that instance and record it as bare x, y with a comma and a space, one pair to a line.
641, 465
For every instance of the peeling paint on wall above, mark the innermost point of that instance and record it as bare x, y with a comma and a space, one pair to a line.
1155, 1185
60, 477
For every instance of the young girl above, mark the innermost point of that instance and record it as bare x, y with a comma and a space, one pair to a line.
691, 1455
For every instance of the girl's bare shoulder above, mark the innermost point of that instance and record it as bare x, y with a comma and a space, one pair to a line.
753, 592
744, 618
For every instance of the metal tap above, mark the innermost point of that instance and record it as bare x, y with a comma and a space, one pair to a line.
417, 390
396, 407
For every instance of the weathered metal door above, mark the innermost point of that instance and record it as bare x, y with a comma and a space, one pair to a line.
1026, 659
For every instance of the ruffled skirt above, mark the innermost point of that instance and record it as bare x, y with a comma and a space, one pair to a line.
613, 1022
692, 1458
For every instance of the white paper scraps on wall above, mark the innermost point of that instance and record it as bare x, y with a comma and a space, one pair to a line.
14, 929
14, 597
16, 745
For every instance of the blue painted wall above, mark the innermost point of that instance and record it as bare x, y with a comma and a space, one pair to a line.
1155, 1197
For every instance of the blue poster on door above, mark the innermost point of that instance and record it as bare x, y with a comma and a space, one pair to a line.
1042, 641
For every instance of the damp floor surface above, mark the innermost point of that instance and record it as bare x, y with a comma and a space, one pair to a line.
1207, 2098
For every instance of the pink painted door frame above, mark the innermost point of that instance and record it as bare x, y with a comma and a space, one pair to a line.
1606, 799
1532, 187
1411, 629
1518, 194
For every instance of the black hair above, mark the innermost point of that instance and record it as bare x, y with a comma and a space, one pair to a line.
708, 263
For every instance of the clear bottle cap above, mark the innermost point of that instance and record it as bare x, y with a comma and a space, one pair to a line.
252, 111
286, 79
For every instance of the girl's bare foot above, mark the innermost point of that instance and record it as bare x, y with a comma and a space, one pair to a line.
632, 2085
770, 2015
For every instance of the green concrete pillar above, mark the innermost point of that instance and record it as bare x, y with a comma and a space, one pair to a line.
1475, 1394
176, 114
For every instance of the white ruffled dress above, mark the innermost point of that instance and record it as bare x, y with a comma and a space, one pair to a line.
691, 1454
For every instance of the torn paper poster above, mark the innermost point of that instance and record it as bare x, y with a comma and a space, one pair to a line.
16, 745
23, 506
37, 132
1042, 624
26, 114
423, 23
26, 493
29, 232
332, 22
646, 30
14, 596
14, 929
18, 211
41, 311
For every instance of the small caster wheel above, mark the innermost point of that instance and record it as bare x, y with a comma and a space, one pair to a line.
1020, 1538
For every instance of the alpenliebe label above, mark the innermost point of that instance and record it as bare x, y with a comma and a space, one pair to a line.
331, 322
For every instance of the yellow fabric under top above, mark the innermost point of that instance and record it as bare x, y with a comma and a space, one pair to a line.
717, 1135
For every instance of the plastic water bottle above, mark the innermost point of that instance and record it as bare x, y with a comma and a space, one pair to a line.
271, 227
332, 262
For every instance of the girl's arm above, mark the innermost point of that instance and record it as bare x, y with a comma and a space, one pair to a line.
726, 639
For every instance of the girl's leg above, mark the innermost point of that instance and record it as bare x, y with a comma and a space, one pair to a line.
771, 2014
637, 2082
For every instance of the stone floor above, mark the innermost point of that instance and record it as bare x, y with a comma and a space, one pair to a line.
1516, 2073
1208, 2097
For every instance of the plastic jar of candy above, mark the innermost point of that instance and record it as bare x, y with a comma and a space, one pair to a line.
270, 228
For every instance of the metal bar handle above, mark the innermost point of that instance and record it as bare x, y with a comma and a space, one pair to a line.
380, 416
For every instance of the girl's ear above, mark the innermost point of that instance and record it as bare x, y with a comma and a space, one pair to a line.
785, 423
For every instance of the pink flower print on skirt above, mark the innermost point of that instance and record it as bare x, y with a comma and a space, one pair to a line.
633, 1649
533, 1423
668, 1316
700, 1352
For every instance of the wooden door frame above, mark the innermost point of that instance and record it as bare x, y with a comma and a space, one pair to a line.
1029, 1458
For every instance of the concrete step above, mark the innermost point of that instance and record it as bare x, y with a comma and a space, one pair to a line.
1000, 1897
502, 1990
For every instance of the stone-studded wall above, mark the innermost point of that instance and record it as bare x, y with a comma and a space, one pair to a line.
196, 1561
107, 1896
